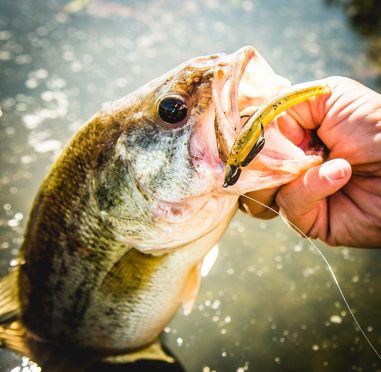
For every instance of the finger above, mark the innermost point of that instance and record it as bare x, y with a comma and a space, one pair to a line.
305, 115
291, 129
255, 203
300, 201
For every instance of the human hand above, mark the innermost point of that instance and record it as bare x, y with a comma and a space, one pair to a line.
338, 202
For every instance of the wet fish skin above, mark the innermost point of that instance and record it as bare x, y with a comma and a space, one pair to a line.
66, 244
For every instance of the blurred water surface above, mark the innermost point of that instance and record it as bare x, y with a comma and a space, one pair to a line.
269, 303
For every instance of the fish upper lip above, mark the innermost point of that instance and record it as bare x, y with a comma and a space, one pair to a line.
227, 77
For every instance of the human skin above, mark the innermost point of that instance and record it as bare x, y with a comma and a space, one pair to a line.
338, 202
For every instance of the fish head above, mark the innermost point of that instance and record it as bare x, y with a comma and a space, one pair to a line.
159, 184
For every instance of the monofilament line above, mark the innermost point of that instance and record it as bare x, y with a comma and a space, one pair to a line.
331, 272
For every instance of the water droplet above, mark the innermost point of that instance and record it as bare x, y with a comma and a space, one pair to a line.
46, 146
10, 131
298, 248
13, 223
335, 319
5, 35
5, 245
23, 59
216, 304
308, 271
14, 262
26, 159
5, 55
18, 216
76, 66
54, 84
355, 279
21, 106
219, 27
244, 368
31, 121
31, 83
247, 6
13, 190
41, 74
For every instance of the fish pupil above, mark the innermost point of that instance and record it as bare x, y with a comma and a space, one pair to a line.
172, 110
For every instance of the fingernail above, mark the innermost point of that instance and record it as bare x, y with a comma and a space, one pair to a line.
333, 170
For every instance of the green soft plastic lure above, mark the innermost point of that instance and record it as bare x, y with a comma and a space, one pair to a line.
251, 140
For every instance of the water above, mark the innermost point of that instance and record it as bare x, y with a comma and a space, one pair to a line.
269, 303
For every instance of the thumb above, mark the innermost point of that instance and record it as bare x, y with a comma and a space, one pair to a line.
303, 201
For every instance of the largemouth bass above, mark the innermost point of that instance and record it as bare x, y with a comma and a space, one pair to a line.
127, 214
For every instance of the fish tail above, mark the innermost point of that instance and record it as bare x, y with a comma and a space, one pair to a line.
12, 333
13, 336
9, 299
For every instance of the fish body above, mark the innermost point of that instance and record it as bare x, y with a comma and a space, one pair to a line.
122, 222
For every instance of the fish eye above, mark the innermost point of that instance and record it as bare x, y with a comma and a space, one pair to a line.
172, 109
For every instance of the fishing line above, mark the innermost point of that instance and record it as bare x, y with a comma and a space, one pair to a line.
330, 271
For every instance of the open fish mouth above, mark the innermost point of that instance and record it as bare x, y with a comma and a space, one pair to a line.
248, 96
226, 83
242, 82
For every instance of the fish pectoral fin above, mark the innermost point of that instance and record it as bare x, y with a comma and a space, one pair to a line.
9, 301
191, 288
151, 352
193, 282
13, 336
